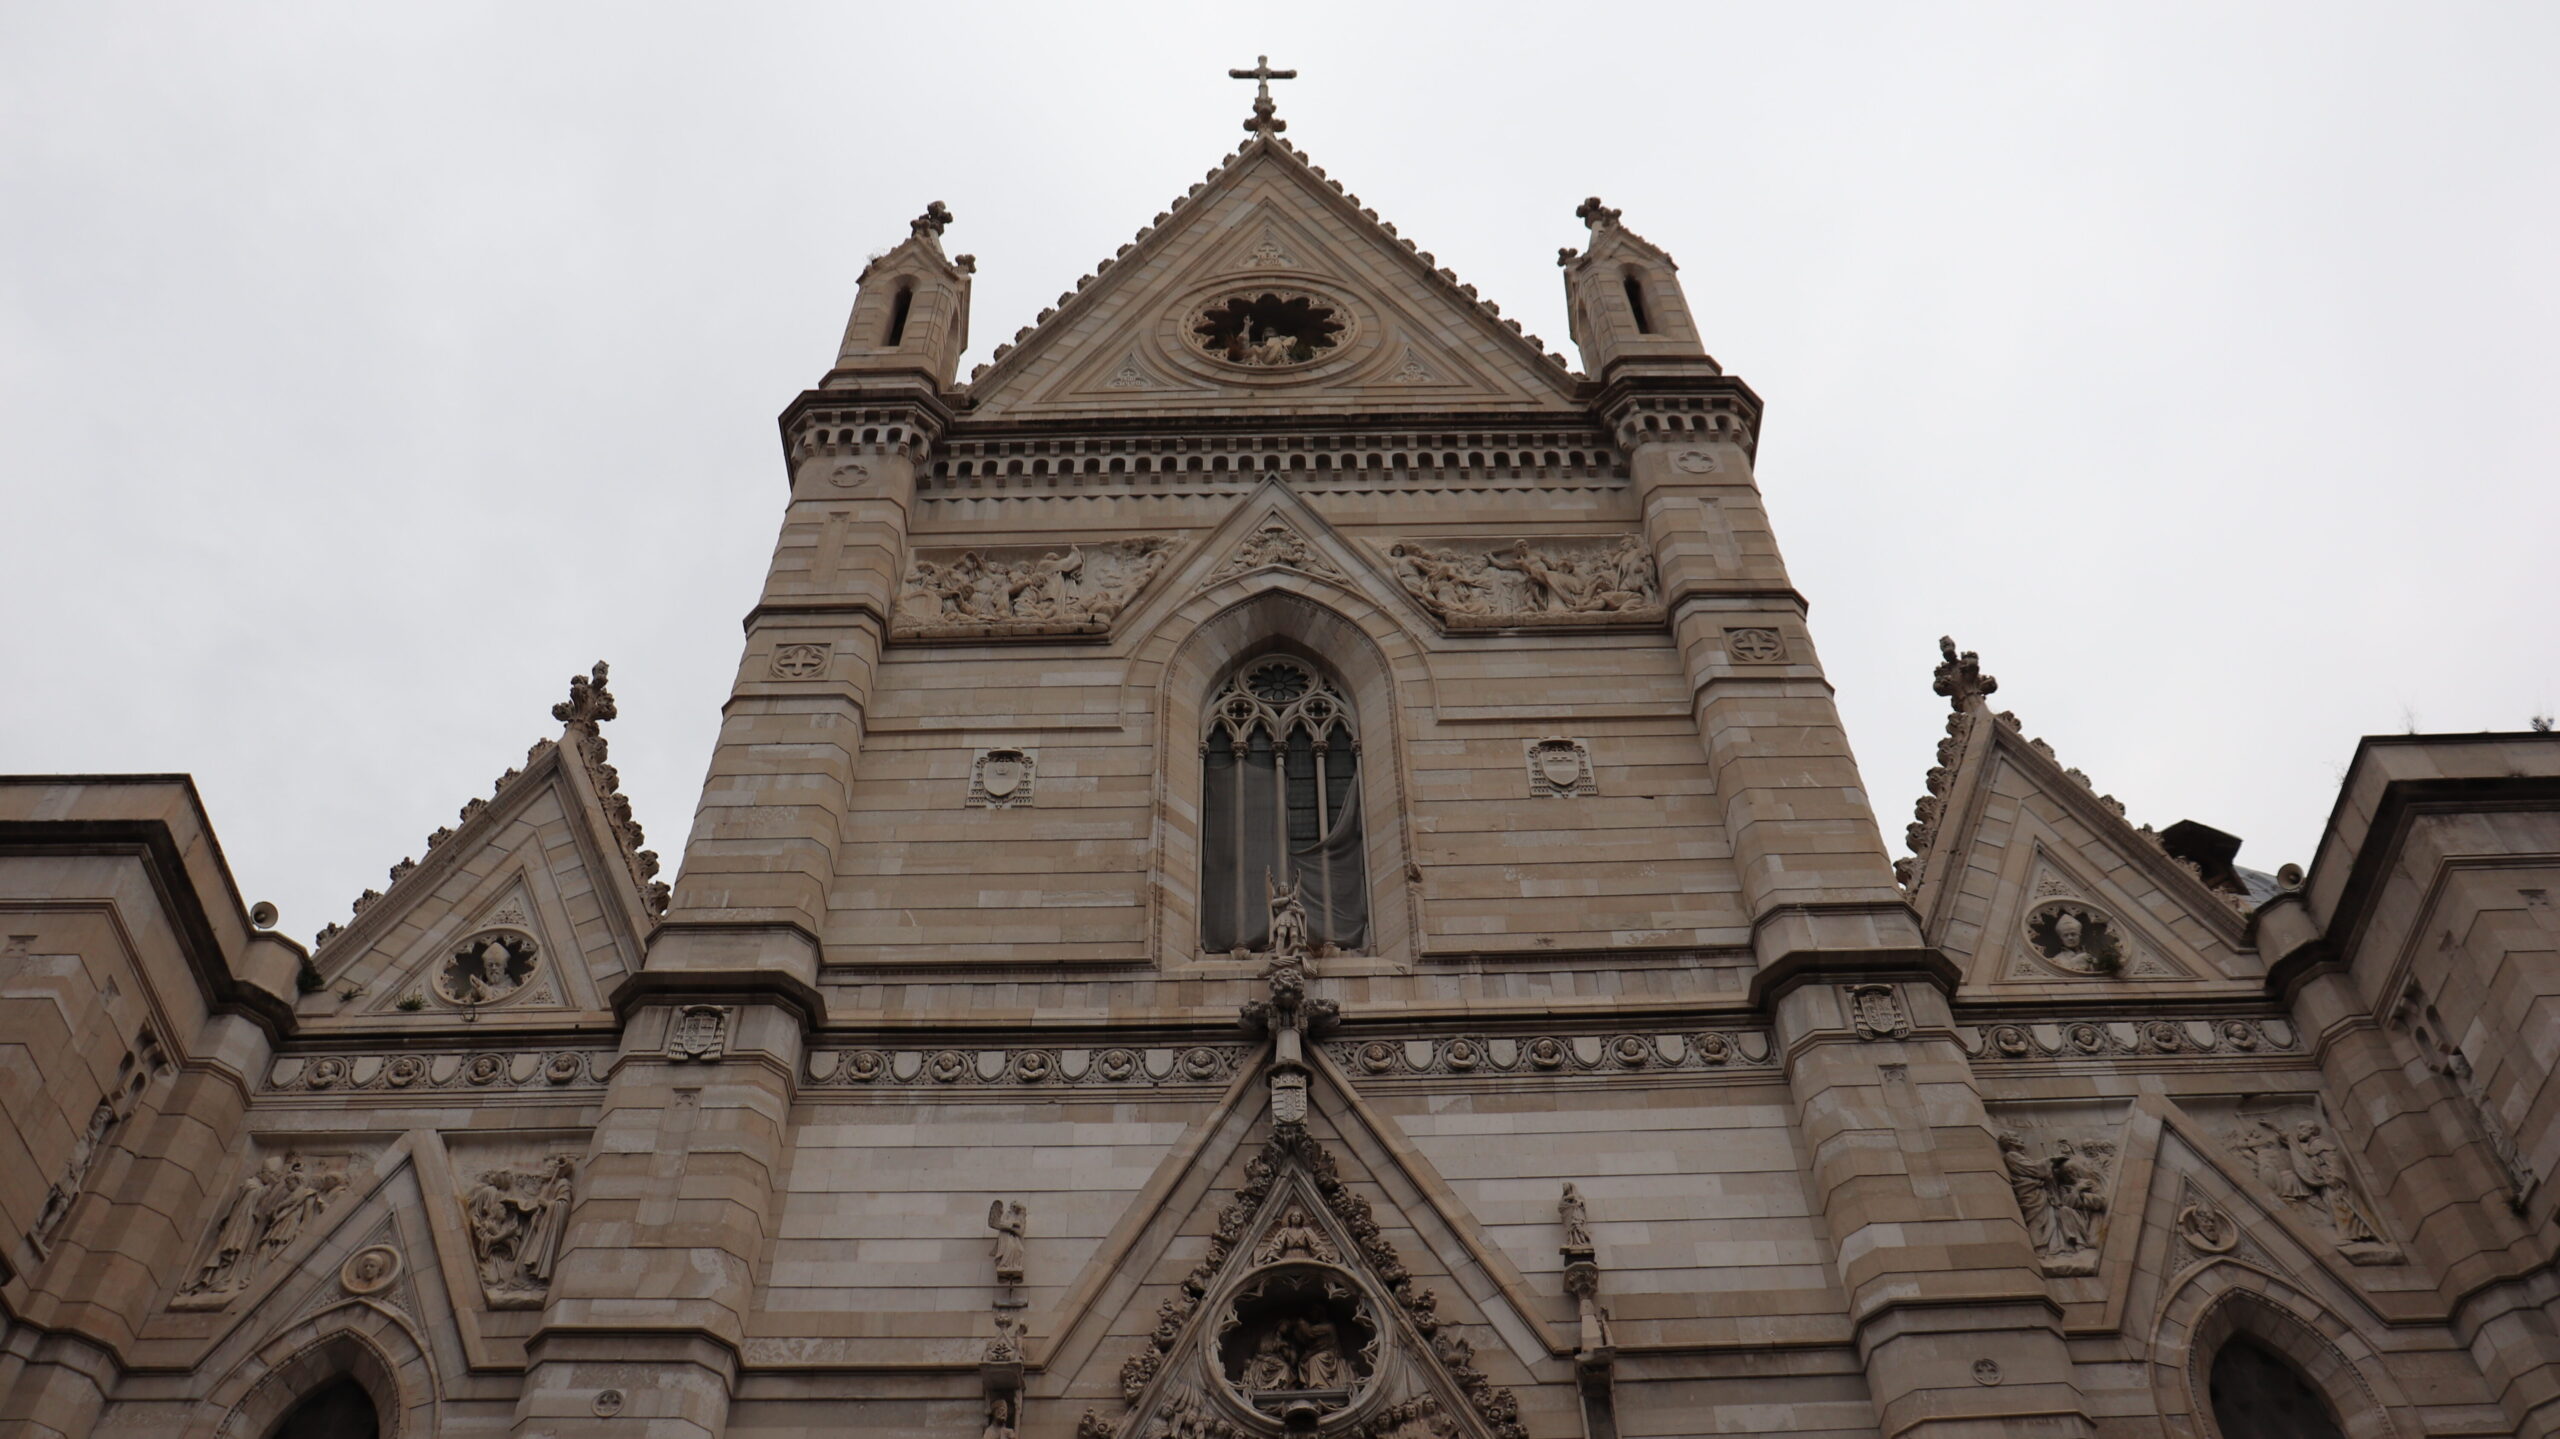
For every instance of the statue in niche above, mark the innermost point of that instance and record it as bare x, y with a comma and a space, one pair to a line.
1576, 1216
2075, 937
516, 1218
2061, 1198
1009, 1221
1295, 1236
486, 968
999, 1419
1273, 1367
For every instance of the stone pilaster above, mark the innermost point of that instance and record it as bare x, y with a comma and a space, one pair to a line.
676, 1203
1958, 1333
1813, 864
752, 892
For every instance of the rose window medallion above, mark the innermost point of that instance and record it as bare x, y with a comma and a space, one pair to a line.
491, 965
1269, 329
1299, 1340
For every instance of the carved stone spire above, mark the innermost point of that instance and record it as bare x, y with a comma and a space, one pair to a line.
589, 703
1265, 120
1960, 677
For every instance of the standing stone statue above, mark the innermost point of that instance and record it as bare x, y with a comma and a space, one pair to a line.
1008, 1221
1576, 1216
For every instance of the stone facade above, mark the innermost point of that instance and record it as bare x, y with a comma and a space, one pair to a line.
1579, 1062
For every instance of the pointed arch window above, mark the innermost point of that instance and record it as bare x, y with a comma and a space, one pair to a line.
1280, 773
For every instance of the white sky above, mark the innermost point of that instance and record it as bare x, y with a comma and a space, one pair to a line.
365, 372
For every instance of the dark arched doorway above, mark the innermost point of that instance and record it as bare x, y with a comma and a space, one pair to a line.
339, 1409
2257, 1395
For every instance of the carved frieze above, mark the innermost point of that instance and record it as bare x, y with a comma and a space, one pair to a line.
1470, 584
274, 1204
403, 1073
1014, 591
2029, 1040
1599, 1055
1105, 1067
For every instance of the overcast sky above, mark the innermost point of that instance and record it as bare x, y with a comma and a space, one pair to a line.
367, 370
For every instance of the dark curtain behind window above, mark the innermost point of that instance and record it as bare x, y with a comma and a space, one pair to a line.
1241, 842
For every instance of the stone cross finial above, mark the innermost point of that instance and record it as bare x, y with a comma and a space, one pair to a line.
1960, 677
930, 225
1596, 215
589, 703
1264, 121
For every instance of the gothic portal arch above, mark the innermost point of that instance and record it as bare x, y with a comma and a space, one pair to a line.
1371, 663
358, 1340
2224, 1302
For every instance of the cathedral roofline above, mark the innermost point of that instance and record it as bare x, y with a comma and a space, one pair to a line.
1008, 358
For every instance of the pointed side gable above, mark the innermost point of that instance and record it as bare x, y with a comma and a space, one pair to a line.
2025, 875
548, 870
1405, 333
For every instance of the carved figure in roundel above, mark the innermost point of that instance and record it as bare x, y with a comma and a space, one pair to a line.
1269, 329
1302, 1339
2074, 936
487, 967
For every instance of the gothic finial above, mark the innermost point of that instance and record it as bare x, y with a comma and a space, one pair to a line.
1264, 121
589, 703
1596, 215
930, 225
1960, 677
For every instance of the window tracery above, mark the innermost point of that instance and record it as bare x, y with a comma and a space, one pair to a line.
1280, 758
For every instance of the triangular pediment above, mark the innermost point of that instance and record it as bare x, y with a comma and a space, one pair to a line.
540, 870
2026, 876
1403, 333
1304, 1306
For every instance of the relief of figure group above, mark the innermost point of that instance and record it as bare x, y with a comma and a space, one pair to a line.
995, 591
272, 1207
1523, 583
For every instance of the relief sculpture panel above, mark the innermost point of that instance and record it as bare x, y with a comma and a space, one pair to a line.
1508, 584
1025, 590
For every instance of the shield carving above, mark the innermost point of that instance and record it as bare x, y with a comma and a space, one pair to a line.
1561, 765
1003, 774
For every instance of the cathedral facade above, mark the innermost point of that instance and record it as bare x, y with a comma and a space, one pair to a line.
1280, 865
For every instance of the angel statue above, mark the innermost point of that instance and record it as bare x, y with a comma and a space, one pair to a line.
1008, 1221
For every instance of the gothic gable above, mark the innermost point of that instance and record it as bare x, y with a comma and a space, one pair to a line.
535, 903
2026, 876
1269, 285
